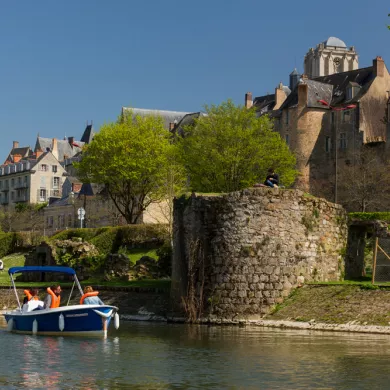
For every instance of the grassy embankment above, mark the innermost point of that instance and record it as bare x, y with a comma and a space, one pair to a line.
17, 259
361, 303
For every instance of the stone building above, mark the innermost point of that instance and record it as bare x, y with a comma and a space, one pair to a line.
327, 119
329, 57
32, 180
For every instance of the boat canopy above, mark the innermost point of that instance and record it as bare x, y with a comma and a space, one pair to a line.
64, 270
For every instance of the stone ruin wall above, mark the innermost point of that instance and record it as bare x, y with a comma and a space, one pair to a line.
243, 253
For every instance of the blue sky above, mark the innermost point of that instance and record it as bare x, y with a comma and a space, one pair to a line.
65, 62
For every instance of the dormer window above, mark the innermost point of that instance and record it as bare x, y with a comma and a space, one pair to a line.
352, 90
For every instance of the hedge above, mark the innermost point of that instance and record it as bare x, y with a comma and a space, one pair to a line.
130, 236
7, 243
382, 216
86, 234
110, 239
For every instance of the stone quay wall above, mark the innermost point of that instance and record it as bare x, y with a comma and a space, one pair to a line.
237, 255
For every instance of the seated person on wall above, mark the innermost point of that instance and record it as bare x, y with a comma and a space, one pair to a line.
90, 297
272, 179
31, 301
53, 297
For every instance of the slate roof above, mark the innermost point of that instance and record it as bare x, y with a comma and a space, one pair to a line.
63, 146
340, 81
87, 135
167, 116
333, 88
264, 103
187, 120
23, 151
316, 91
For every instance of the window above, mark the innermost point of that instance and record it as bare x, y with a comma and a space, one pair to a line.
343, 141
12, 195
12, 183
19, 181
54, 168
287, 138
1, 184
42, 195
346, 116
43, 168
328, 144
25, 180
56, 182
287, 116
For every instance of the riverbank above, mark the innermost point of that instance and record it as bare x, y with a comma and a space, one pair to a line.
339, 308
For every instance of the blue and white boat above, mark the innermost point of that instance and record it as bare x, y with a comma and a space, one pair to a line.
69, 320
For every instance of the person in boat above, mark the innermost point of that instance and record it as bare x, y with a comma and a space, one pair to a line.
53, 297
90, 297
32, 300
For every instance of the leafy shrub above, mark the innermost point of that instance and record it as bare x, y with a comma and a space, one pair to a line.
25, 240
130, 236
85, 234
383, 216
7, 243
106, 242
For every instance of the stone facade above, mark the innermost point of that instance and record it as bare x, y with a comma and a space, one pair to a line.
34, 180
329, 57
240, 254
320, 136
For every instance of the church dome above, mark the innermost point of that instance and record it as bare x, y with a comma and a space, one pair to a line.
335, 42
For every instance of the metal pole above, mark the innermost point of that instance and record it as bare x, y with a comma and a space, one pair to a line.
336, 155
16, 293
78, 285
374, 260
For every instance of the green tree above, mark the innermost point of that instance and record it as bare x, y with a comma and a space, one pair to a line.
131, 158
231, 148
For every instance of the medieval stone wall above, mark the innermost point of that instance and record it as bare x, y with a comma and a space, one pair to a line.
237, 255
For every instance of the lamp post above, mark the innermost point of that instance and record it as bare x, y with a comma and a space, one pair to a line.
333, 109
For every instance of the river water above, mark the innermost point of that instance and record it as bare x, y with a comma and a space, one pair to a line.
165, 356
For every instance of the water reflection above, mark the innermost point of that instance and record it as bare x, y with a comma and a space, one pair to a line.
161, 356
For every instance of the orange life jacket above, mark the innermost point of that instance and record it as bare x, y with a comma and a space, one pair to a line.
90, 294
55, 301
29, 296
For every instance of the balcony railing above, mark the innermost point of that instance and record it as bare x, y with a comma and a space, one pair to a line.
43, 195
21, 185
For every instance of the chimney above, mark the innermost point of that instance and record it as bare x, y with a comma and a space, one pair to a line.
15, 144
248, 100
54, 148
280, 96
38, 153
70, 140
302, 94
17, 157
171, 126
379, 67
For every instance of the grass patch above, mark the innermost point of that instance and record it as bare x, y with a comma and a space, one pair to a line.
12, 260
136, 253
